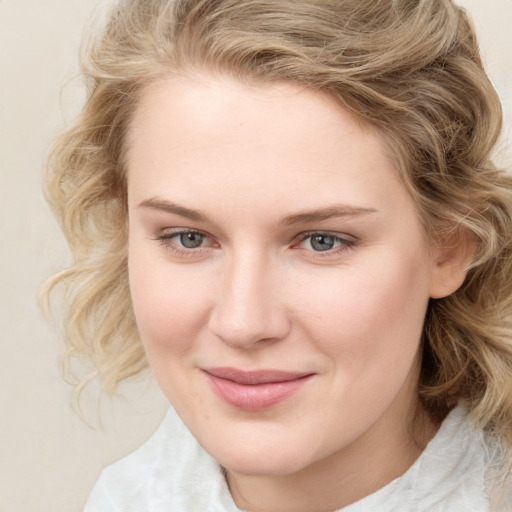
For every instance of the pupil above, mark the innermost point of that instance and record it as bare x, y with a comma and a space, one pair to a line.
322, 242
191, 240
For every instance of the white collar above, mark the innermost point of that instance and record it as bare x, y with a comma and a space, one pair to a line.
171, 471
448, 475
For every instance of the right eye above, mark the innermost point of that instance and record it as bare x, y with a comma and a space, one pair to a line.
189, 239
185, 242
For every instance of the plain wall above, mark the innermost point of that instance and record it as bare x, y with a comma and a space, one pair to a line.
49, 458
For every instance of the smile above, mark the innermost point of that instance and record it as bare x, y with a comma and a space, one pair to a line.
257, 390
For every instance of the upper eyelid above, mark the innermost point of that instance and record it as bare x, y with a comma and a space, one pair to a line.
178, 231
303, 234
334, 234
168, 233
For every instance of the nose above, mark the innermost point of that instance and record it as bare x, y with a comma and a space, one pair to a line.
250, 306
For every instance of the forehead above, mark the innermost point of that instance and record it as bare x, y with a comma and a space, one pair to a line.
217, 133
208, 104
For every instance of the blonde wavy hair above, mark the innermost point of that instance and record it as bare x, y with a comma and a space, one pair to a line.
411, 68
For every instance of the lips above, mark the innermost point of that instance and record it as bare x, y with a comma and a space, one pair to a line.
254, 390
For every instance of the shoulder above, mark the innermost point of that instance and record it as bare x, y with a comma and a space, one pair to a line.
498, 473
471, 469
170, 471
124, 485
448, 476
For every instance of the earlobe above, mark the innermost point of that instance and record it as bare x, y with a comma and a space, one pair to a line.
451, 263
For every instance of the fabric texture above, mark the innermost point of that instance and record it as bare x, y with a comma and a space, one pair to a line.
172, 473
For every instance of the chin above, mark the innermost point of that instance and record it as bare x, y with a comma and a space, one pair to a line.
274, 459
262, 467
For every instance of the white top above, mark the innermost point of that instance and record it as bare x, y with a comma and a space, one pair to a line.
171, 472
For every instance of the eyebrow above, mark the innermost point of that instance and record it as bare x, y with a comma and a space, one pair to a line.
330, 212
308, 216
169, 207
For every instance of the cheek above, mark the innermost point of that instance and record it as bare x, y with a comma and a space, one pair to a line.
170, 313
169, 306
371, 314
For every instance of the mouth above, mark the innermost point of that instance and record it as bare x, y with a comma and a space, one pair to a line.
255, 390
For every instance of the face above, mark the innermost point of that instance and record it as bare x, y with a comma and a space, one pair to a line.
278, 272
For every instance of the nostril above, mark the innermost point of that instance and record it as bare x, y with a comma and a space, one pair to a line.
247, 328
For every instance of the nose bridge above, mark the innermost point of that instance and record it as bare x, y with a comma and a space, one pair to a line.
248, 308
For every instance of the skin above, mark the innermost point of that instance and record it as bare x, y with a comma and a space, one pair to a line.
249, 168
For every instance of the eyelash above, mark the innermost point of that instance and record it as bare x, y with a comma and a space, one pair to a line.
166, 239
345, 243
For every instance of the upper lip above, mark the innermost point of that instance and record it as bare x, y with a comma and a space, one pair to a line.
255, 376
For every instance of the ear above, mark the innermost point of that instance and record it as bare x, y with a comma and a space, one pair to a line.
452, 257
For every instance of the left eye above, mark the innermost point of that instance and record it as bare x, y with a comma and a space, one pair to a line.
321, 242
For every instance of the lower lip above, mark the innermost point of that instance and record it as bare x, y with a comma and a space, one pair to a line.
255, 397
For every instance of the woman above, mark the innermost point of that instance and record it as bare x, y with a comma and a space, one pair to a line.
289, 211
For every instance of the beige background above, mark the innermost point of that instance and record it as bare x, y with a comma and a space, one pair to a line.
49, 458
